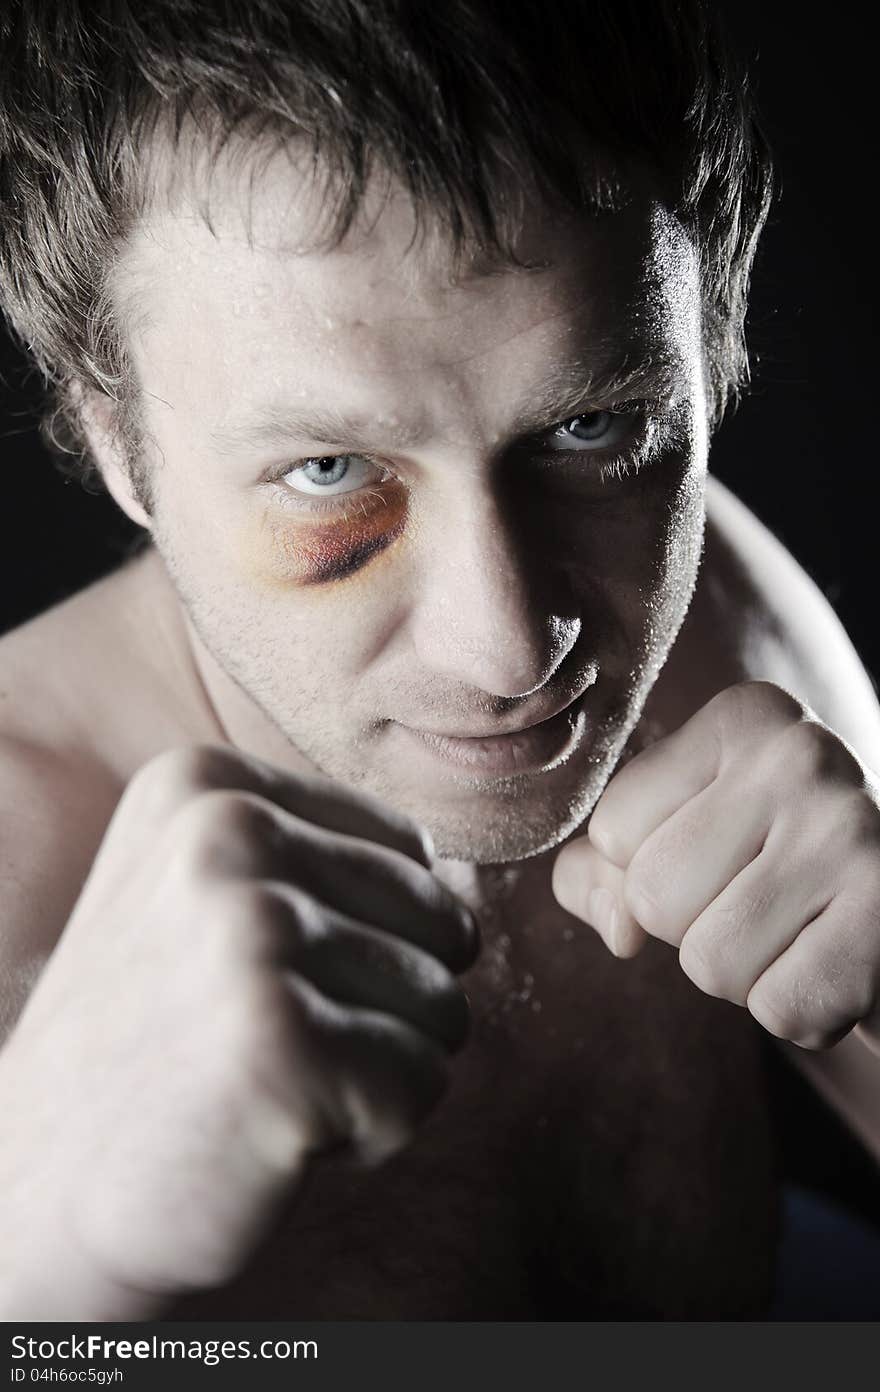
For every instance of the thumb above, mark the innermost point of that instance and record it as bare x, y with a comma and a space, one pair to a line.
591, 888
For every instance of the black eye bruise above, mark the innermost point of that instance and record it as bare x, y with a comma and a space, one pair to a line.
327, 570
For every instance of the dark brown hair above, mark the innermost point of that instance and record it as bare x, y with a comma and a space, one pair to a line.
460, 100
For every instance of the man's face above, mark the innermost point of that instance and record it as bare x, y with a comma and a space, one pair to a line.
395, 506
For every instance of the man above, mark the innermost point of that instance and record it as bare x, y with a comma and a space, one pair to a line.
402, 332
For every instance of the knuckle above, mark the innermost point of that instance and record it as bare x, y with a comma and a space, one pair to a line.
817, 1014
303, 924
741, 706
236, 924
815, 752
242, 815
297, 931
186, 769
267, 922
222, 829
860, 819
269, 1024
703, 964
250, 908
778, 1017
834, 1000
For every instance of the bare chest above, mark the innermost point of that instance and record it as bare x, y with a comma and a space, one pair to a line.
603, 1150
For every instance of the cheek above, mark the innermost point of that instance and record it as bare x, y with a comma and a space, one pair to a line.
284, 550
638, 532
634, 560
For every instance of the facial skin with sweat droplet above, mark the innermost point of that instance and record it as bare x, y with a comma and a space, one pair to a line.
406, 504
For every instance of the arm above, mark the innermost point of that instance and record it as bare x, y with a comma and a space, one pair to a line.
802, 645
54, 810
834, 682
806, 649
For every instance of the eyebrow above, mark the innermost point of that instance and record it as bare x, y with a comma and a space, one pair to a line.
658, 371
655, 372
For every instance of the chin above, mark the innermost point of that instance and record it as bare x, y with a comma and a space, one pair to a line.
516, 829
510, 819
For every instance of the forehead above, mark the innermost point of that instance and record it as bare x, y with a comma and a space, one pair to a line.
223, 278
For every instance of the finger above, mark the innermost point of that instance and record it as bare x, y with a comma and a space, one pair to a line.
356, 965
177, 775
591, 888
688, 861
243, 838
753, 921
823, 984
379, 1076
802, 865
377, 886
661, 779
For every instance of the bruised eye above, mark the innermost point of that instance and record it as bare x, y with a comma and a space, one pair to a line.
335, 474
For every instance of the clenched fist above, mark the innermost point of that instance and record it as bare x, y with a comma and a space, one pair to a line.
750, 840
259, 967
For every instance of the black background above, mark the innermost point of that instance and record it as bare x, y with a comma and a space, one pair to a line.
800, 451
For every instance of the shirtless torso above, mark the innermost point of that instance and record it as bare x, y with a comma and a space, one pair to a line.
605, 1147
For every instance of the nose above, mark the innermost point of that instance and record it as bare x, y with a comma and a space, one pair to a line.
491, 612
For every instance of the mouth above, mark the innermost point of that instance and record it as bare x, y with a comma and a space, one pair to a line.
535, 748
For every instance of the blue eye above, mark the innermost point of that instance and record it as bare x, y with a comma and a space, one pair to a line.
592, 428
339, 473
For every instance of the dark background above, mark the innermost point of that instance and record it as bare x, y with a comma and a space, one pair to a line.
800, 451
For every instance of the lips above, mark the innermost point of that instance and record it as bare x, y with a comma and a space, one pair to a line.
532, 748
499, 730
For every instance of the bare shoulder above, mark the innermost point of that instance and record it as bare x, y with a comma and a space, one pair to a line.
54, 808
89, 691
105, 670
780, 626
56, 792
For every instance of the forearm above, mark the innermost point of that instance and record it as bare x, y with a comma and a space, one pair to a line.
848, 1078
